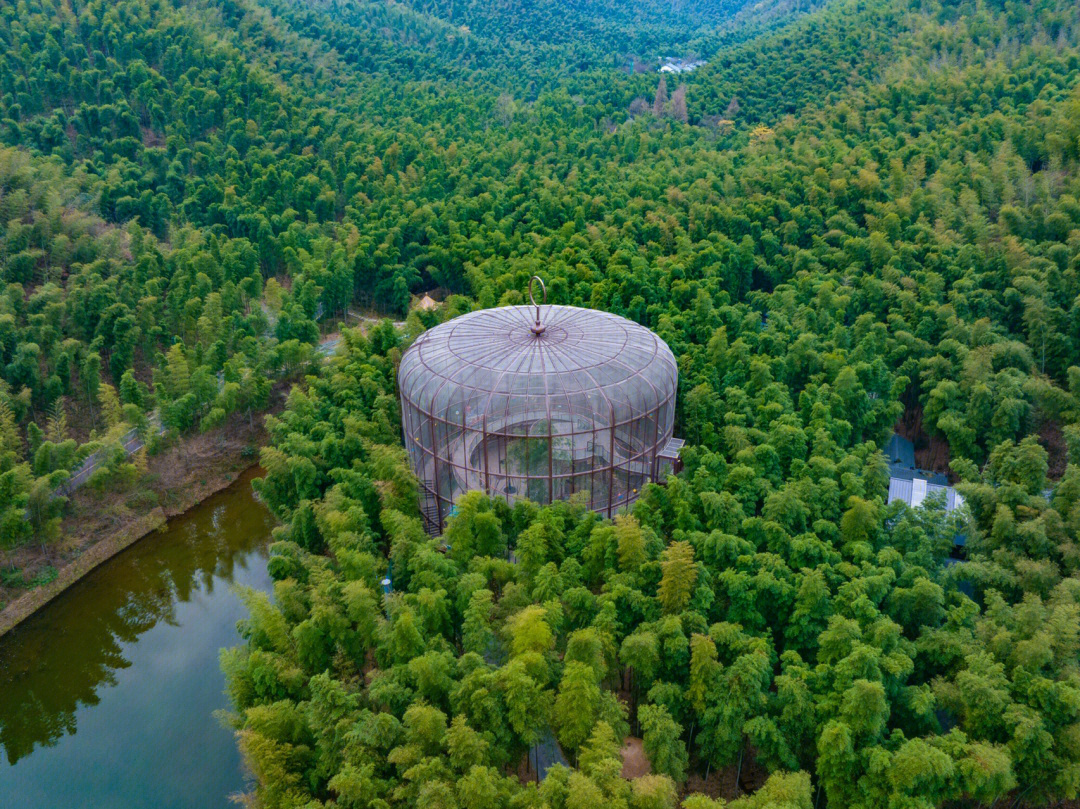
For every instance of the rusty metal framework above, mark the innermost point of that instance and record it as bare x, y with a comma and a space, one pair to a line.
544, 402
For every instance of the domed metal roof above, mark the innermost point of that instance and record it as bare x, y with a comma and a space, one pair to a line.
523, 359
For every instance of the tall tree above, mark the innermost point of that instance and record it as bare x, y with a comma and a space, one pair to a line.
660, 100
679, 577
576, 705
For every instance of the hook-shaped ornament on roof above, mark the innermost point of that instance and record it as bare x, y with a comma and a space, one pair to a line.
539, 327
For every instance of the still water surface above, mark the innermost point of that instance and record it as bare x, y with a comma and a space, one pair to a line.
107, 695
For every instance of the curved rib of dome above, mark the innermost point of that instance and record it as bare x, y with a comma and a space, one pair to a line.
580, 407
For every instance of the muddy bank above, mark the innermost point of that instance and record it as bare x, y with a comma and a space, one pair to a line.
99, 525
28, 603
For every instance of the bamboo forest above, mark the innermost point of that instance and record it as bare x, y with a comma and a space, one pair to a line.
530, 404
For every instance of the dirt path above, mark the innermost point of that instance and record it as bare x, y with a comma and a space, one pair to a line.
634, 761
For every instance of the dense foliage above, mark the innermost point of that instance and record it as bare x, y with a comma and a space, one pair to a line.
853, 217
121, 305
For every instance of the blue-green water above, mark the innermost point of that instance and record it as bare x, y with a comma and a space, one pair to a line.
108, 694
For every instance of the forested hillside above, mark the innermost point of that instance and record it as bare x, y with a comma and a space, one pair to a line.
854, 217
245, 181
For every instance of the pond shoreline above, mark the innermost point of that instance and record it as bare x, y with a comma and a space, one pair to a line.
106, 548
113, 688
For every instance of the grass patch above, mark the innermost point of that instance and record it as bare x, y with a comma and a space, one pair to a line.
16, 577
46, 575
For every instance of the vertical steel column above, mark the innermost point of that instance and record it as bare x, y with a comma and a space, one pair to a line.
551, 473
464, 449
435, 469
655, 438
611, 466
483, 440
592, 466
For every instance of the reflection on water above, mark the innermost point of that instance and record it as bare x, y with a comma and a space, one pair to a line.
107, 694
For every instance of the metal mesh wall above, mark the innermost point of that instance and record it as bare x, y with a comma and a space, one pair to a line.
579, 405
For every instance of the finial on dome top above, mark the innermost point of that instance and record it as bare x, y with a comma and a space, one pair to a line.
539, 327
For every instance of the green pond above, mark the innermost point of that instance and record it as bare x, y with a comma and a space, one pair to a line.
108, 694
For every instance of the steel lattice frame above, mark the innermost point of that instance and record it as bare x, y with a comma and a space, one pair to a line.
541, 402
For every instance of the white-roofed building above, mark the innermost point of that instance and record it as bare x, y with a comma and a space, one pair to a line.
913, 485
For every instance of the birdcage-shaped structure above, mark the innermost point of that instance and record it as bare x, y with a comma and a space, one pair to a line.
541, 402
